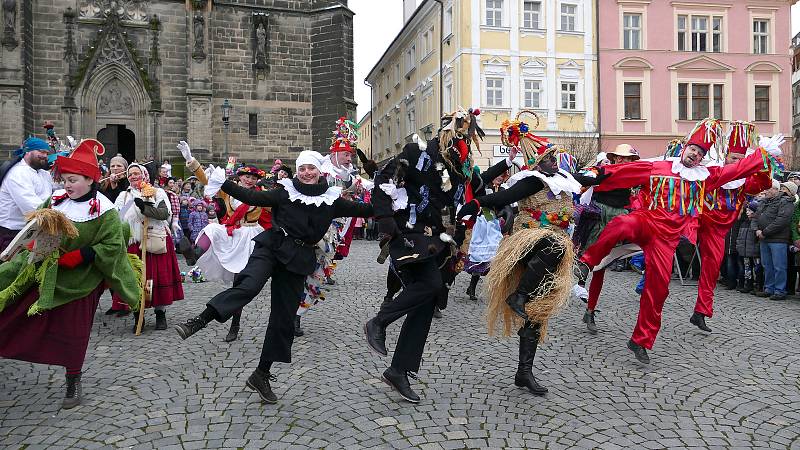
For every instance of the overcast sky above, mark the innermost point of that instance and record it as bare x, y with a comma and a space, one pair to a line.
376, 24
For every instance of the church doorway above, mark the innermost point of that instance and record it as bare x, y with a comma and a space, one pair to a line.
118, 140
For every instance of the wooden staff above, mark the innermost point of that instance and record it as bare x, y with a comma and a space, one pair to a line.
143, 246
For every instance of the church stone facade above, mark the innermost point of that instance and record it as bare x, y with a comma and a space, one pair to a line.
141, 75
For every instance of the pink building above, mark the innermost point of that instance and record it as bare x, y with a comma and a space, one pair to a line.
666, 64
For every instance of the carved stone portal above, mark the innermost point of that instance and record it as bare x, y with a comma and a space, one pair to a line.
132, 10
114, 100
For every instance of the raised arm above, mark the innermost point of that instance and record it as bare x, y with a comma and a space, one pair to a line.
495, 171
381, 202
754, 163
348, 208
624, 175
272, 197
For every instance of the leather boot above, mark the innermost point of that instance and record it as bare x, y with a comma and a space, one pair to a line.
398, 380
161, 320
473, 284
699, 321
259, 382
534, 274
233, 333
376, 337
588, 319
747, 287
74, 392
639, 352
190, 327
297, 330
528, 342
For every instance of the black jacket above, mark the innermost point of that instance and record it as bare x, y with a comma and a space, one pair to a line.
773, 216
296, 227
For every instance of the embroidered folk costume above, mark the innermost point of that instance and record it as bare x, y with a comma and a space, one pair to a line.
302, 211
531, 274
47, 307
721, 209
144, 200
676, 189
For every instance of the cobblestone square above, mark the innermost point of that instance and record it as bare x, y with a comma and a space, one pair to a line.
734, 388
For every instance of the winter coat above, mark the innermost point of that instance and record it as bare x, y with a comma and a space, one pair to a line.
746, 242
773, 217
732, 237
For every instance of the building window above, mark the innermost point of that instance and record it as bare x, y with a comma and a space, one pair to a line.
448, 97
531, 14
532, 91
633, 100
762, 103
448, 21
704, 38
568, 17
494, 92
631, 31
252, 124
397, 127
411, 119
705, 100
569, 96
397, 74
411, 58
760, 36
494, 13
427, 42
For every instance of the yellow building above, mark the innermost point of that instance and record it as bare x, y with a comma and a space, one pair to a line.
501, 56
365, 134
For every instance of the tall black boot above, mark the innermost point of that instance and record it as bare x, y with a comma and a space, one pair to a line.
535, 272
161, 320
297, 330
473, 284
528, 342
74, 391
233, 333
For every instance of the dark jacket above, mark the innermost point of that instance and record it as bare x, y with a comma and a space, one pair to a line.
773, 217
296, 227
746, 241
732, 236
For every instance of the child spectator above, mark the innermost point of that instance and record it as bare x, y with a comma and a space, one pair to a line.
198, 219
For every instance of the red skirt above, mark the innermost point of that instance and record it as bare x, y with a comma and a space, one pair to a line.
57, 336
166, 276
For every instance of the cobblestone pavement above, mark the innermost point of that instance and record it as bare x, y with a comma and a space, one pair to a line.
737, 387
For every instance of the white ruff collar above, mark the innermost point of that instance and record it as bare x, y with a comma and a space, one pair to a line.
79, 211
556, 183
735, 184
327, 197
696, 173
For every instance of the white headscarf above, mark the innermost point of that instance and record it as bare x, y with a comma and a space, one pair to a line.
308, 157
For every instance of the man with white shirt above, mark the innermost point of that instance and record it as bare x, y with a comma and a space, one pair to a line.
26, 185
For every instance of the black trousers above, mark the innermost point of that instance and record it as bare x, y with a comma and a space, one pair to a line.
286, 291
423, 282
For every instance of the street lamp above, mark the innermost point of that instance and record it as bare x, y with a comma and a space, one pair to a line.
226, 121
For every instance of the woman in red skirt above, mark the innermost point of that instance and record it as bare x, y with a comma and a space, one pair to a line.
143, 200
48, 320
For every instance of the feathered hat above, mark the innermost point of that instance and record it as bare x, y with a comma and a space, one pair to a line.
517, 133
674, 149
82, 160
741, 136
250, 170
705, 135
345, 136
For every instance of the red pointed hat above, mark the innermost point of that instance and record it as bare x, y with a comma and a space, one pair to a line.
741, 136
705, 134
82, 160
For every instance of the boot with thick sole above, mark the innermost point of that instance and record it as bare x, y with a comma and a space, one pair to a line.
528, 342
259, 382
74, 392
398, 380
161, 320
233, 332
297, 330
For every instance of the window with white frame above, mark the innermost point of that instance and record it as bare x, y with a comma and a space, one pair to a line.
568, 14
494, 91
569, 95
531, 14
632, 31
704, 33
532, 93
397, 127
411, 58
760, 36
706, 100
632, 96
494, 13
411, 118
448, 21
397, 74
427, 42
447, 98
762, 103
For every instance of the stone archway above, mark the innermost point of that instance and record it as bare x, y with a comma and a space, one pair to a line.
118, 140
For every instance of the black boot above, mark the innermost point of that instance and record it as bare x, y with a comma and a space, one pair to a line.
161, 320
747, 287
259, 382
191, 326
437, 313
398, 380
297, 330
588, 319
473, 284
528, 342
376, 337
699, 321
387, 299
233, 333
535, 272
110, 312
136, 321
74, 392
639, 352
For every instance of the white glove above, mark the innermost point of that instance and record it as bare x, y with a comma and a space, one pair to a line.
512, 153
216, 177
342, 173
183, 147
72, 142
772, 144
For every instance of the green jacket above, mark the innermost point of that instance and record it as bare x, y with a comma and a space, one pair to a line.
108, 236
794, 222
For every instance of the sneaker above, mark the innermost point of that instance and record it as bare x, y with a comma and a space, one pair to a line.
259, 382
